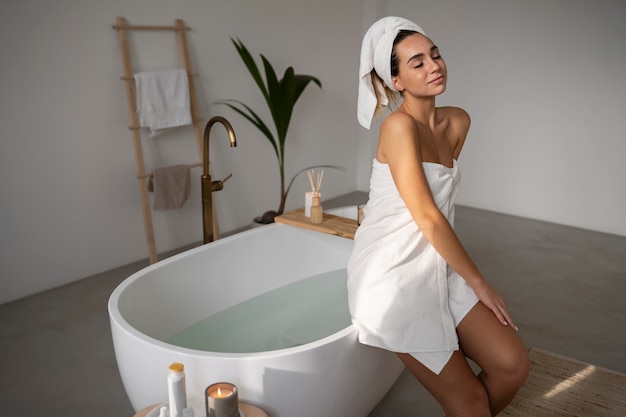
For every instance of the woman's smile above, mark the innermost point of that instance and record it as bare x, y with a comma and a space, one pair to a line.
438, 80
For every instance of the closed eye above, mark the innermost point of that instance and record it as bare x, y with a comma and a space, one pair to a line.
434, 51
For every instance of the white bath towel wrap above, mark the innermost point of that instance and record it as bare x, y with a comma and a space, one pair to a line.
162, 99
402, 294
376, 54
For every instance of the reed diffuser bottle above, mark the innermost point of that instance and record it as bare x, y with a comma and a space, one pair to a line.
317, 214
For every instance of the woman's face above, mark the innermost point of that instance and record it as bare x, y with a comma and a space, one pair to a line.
422, 71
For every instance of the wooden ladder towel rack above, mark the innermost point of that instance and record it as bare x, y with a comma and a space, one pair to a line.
122, 27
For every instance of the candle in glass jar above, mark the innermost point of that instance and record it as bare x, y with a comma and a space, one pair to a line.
222, 400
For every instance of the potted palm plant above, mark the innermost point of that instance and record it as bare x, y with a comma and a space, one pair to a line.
281, 97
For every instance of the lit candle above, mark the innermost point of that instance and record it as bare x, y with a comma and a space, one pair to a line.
222, 393
222, 400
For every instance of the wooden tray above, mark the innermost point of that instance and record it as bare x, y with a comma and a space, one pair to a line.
247, 410
331, 224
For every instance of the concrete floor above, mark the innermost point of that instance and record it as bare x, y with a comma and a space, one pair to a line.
564, 286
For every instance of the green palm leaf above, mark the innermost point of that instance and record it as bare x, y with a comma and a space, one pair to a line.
302, 81
281, 97
288, 98
251, 65
275, 102
253, 118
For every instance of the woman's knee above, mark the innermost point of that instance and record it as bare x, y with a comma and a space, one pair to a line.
512, 365
497, 349
521, 366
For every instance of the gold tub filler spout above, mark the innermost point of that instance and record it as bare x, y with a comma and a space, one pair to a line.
209, 186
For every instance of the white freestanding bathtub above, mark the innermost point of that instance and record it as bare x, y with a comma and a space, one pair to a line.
335, 376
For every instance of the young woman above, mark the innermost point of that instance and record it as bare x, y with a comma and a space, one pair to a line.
412, 287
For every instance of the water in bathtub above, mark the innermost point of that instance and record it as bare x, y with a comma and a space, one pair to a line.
295, 314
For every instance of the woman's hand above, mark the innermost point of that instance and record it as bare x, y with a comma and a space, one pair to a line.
492, 300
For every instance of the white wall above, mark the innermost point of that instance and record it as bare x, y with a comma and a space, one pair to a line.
543, 81
545, 84
70, 204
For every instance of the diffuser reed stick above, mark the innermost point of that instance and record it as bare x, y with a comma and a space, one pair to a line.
315, 182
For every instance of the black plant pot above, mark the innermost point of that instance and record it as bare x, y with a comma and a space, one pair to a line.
267, 217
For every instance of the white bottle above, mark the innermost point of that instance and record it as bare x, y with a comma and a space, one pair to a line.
176, 389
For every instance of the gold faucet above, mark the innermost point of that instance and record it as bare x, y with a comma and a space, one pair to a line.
209, 186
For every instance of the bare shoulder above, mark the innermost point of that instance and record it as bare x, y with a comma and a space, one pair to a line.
398, 122
457, 123
398, 133
399, 127
458, 118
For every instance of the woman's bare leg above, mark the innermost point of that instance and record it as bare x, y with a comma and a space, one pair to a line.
498, 351
457, 389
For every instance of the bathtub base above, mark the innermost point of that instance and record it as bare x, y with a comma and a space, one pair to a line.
299, 384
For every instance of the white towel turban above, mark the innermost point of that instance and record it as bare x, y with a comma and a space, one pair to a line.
376, 54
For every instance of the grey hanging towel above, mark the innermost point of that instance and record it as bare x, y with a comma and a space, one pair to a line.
171, 187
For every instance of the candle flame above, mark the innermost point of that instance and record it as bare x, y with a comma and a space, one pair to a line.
221, 393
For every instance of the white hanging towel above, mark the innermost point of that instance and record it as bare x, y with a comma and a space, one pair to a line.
162, 99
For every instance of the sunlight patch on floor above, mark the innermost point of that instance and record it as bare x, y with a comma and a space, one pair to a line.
574, 379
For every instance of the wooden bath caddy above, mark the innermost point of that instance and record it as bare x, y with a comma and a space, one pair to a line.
331, 224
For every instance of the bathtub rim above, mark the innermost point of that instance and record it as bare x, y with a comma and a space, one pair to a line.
120, 322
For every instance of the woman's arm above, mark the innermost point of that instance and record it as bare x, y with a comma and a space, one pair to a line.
399, 148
